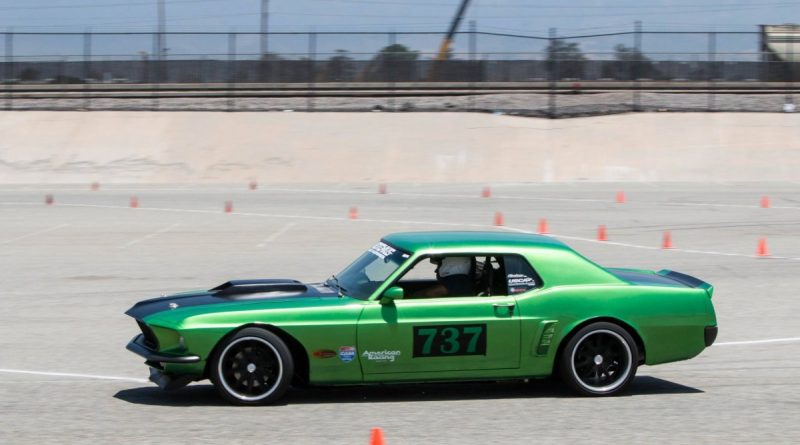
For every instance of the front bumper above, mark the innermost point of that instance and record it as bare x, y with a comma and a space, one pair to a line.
136, 345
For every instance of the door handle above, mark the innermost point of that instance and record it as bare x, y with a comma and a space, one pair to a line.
509, 306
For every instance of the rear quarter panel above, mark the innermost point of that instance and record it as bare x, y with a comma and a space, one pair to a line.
669, 321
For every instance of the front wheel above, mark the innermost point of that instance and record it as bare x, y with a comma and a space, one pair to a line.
253, 367
599, 360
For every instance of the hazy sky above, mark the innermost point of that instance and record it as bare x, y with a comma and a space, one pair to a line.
517, 16
531, 17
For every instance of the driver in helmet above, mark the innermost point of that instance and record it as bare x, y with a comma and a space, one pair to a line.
453, 278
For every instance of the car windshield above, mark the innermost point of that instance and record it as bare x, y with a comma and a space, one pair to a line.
367, 272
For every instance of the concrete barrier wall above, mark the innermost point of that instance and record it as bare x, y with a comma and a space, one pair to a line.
209, 147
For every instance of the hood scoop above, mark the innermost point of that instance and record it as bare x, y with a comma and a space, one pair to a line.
243, 289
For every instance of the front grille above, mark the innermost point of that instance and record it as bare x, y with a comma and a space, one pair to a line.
150, 340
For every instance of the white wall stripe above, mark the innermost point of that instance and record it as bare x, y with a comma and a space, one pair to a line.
72, 375
759, 342
40, 232
148, 236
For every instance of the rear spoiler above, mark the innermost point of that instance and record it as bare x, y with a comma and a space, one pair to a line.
687, 280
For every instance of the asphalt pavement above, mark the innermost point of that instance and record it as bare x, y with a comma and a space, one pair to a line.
69, 270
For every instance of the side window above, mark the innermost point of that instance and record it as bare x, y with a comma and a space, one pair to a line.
520, 276
422, 270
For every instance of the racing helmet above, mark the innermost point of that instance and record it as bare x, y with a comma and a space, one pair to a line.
454, 266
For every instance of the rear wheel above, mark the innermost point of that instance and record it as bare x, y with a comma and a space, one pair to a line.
599, 360
253, 367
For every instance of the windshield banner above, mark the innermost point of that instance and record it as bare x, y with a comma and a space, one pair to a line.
382, 250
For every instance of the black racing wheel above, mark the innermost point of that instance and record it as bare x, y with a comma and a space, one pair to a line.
252, 367
599, 360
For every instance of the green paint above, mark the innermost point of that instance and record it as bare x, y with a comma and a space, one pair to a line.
668, 317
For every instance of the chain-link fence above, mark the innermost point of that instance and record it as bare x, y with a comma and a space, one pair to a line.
539, 75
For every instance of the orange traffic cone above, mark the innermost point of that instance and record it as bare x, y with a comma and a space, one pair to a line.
620, 197
134, 202
765, 202
228, 206
353, 213
487, 192
762, 250
376, 437
601, 233
498, 219
667, 242
543, 226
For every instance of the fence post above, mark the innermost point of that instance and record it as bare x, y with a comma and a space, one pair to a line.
391, 67
87, 69
712, 57
9, 71
473, 72
552, 61
789, 99
155, 75
312, 55
231, 70
636, 71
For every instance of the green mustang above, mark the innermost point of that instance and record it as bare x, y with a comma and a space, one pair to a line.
430, 306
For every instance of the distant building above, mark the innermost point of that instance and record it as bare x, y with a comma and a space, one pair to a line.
780, 43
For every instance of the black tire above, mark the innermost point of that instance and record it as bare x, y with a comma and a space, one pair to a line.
253, 367
599, 360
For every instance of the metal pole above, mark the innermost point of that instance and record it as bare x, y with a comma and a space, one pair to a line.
155, 66
264, 26
312, 55
473, 72
473, 41
712, 56
636, 67
552, 59
162, 28
9, 72
789, 99
231, 70
161, 65
87, 69
390, 69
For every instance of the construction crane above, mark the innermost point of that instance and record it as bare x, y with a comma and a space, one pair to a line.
448, 39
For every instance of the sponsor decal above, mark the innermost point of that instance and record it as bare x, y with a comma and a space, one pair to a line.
323, 289
382, 250
518, 283
347, 353
380, 356
324, 353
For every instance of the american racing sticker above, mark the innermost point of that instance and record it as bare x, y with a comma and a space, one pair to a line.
347, 353
380, 356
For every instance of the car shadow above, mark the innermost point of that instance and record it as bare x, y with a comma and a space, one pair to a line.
206, 395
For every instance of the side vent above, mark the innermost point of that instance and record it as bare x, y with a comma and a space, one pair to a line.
546, 338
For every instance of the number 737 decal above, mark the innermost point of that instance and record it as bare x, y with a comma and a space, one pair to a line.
449, 340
